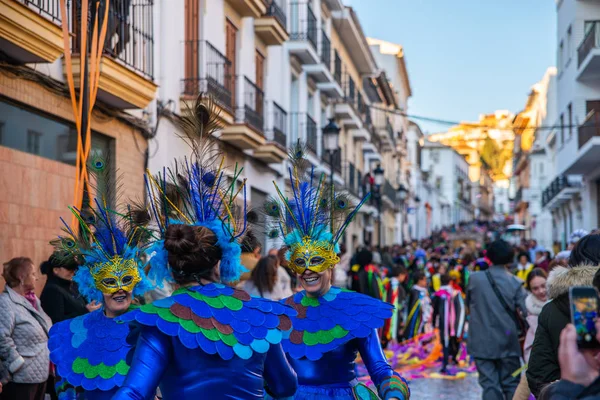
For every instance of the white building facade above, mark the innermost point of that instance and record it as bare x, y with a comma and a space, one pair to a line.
448, 172
573, 194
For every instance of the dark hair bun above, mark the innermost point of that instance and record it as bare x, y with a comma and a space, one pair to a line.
193, 252
180, 239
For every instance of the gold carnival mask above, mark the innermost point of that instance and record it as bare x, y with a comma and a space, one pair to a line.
116, 274
317, 256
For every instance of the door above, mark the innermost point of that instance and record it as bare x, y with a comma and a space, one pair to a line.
230, 53
192, 46
260, 82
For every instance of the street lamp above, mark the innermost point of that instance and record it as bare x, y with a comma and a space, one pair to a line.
378, 178
401, 196
331, 137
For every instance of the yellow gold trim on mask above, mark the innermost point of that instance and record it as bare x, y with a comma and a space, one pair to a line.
317, 256
116, 274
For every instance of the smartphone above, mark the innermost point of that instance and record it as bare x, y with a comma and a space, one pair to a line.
584, 311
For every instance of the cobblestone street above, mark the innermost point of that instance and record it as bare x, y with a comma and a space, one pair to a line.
465, 389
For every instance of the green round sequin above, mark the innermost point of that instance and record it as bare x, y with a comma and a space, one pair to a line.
309, 301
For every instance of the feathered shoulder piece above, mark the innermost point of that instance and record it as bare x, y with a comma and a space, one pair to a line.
91, 351
311, 218
322, 324
199, 191
109, 244
217, 319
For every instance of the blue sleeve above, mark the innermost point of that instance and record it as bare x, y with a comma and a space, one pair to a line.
280, 377
389, 383
149, 362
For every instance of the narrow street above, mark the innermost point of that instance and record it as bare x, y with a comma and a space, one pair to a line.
429, 388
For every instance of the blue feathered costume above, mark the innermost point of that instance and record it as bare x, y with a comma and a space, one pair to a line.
328, 331
91, 352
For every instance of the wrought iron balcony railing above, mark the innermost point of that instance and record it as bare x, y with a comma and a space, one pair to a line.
590, 41
254, 106
589, 129
279, 125
303, 23
325, 50
555, 187
276, 8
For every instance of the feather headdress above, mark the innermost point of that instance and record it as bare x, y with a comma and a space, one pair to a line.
198, 192
109, 244
312, 219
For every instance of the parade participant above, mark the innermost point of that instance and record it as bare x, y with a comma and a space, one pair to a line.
418, 306
91, 351
332, 324
207, 340
449, 316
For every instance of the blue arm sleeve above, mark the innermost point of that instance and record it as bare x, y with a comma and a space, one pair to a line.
389, 383
279, 376
149, 362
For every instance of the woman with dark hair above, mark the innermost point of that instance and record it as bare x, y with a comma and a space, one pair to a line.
534, 302
586, 250
60, 298
23, 333
263, 279
207, 340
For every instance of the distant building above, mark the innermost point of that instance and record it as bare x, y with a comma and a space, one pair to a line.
448, 171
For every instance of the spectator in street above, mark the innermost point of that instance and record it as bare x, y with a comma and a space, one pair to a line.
60, 298
263, 279
535, 301
586, 251
534, 248
493, 338
523, 267
340, 273
24, 330
541, 261
543, 361
251, 251
449, 316
418, 307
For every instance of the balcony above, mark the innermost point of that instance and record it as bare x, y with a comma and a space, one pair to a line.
247, 133
303, 33
389, 192
588, 54
275, 150
30, 30
271, 27
322, 72
213, 76
353, 180
346, 111
304, 129
127, 65
587, 154
337, 158
249, 8
562, 189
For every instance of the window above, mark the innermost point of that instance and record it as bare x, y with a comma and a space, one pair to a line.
25, 129
561, 55
562, 129
570, 111
569, 43
33, 142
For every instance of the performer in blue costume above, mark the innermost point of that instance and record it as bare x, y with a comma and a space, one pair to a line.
207, 340
332, 324
91, 351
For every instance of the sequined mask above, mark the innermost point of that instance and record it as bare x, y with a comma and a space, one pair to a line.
116, 274
317, 256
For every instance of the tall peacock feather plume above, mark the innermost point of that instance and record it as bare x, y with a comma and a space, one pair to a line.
312, 219
109, 244
197, 191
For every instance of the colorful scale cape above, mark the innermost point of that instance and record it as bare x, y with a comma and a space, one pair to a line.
90, 351
218, 319
324, 323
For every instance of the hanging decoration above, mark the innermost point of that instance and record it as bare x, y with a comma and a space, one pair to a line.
84, 101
